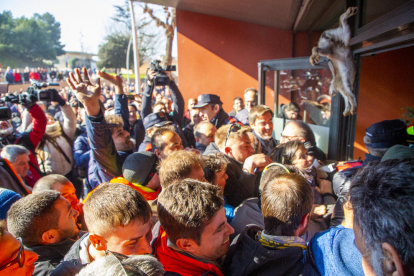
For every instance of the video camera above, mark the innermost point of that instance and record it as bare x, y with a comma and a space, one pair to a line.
34, 90
161, 79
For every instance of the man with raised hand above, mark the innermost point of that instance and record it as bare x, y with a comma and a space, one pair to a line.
109, 135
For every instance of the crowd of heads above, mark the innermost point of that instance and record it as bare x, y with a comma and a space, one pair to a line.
181, 198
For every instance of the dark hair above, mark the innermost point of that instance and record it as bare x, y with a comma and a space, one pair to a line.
382, 197
285, 201
156, 140
237, 99
134, 106
213, 163
292, 107
113, 205
46, 183
285, 153
186, 207
33, 215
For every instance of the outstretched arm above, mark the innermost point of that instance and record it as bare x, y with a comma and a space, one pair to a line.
121, 100
103, 152
146, 107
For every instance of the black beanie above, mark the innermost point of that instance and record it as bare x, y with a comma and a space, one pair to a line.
140, 167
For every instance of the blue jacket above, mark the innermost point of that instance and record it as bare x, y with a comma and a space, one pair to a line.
105, 162
81, 149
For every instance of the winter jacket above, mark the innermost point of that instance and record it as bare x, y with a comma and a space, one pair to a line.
249, 212
267, 145
333, 252
240, 185
137, 132
50, 255
177, 262
222, 118
249, 257
105, 162
189, 135
9, 179
50, 157
243, 116
30, 140
81, 150
71, 263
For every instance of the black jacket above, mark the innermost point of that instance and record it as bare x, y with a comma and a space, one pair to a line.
249, 257
240, 185
71, 264
222, 118
50, 256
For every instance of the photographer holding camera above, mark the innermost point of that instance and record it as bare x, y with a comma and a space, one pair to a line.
28, 139
157, 76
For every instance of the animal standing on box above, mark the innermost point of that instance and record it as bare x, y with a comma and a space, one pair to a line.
334, 44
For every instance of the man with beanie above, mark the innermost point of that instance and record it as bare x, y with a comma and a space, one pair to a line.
139, 171
7, 198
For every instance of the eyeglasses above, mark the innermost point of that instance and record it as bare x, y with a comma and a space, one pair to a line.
233, 128
19, 258
127, 269
288, 137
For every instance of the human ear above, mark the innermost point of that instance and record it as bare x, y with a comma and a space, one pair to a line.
157, 152
302, 139
391, 262
97, 242
303, 225
50, 236
227, 150
187, 245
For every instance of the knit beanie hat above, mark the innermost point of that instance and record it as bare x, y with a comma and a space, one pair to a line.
7, 198
140, 167
386, 134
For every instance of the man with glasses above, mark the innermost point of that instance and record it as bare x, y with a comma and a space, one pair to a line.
14, 259
243, 166
299, 130
250, 100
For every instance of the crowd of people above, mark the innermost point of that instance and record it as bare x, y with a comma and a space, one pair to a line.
101, 182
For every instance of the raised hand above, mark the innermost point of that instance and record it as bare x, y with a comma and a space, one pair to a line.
85, 92
116, 80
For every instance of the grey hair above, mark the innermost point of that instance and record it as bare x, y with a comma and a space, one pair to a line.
11, 152
109, 265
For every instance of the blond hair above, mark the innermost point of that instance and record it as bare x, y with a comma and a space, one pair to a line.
221, 134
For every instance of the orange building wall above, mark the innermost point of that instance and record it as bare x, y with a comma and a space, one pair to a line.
220, 56
386, 85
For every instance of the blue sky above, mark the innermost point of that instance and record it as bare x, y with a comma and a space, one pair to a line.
89, 17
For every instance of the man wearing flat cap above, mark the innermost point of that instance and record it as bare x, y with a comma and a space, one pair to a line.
211, 110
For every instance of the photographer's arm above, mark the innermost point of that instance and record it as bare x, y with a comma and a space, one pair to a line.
146, 107
178, 102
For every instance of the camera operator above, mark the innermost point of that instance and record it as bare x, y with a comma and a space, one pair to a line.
178, 101
109, 136
29, 139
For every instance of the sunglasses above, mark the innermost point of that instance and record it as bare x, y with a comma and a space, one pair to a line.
233, 128
19, 258
127, 269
